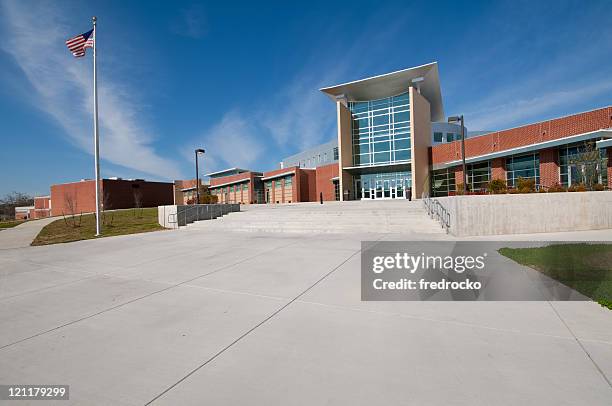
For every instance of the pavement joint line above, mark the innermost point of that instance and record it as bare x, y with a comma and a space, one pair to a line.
457, 323
139, 298
255, 327
597, 367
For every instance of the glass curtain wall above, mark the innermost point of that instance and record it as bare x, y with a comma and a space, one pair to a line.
381, 130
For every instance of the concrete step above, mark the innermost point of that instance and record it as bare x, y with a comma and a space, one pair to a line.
336, 217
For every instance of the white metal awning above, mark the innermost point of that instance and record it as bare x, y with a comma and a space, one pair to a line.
279, 175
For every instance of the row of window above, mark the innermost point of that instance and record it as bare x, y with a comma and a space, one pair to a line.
231, 188
381, 130
578, 163
449, 137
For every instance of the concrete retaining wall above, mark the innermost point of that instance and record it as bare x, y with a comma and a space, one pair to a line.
528, 213
175, 216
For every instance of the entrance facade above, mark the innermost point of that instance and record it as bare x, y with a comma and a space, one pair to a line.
383, 186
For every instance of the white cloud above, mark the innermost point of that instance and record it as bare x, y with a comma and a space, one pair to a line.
63, 89
504, 114
231, 142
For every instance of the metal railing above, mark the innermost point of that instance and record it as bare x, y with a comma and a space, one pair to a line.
437, 211
188, 214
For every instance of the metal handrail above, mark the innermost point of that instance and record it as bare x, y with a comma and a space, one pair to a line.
437, 211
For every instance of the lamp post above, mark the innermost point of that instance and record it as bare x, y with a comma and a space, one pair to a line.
455, 119
198, 151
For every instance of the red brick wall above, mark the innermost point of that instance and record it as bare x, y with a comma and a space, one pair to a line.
525, 135
81, 194
115, 194
458, 176
324, 182
308, 185
549, 167
498, 169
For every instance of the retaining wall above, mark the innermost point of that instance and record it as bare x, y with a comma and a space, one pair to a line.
528, 213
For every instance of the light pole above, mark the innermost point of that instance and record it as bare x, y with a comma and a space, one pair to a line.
198, 151
454, 119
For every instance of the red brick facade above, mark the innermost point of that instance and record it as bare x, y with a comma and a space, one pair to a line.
42, 207
498, 169
525, 135
324, 183
277, 190
240, 190
549, 167
80, 197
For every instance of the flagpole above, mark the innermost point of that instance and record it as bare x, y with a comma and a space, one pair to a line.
96, 137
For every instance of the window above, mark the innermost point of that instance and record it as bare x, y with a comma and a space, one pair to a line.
437, 137
277, 184
380, 130
478, 175
288, 181
449, 137
523, 166
581, 163
337, 190
269, 184
335, 153
443, 182
245, 186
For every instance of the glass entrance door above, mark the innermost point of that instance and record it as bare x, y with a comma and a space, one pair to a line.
392, 185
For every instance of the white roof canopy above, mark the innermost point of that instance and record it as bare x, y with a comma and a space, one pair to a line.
392, 84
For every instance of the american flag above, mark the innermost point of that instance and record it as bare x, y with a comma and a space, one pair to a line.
78, 44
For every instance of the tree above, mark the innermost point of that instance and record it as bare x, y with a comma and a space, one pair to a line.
589, 165
12, 200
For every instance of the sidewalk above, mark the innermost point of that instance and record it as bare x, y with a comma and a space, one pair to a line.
23, 234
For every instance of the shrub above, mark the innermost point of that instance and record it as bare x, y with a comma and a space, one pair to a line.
513, 191
459, 189
525, 185
599, 187
497, 186
556, 188
577, 188
542, 190
208, 199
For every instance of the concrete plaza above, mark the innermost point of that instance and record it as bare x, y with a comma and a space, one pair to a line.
190, 317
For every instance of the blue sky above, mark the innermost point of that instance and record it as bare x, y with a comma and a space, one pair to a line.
242, 79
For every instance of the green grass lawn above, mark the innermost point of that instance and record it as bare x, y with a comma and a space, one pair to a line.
587, 268
11, 223
118, 222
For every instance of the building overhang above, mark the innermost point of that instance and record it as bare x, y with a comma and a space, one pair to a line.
392, 84
229, 183
226, 172
279, 175
396, 166
531, 148
607, 143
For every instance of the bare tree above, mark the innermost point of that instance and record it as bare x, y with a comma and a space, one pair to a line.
589, 164
12, 200
71, 205
107, 218
137, 202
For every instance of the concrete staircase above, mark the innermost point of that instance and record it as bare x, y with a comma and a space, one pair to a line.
392, 216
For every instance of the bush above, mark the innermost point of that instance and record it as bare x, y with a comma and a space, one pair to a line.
599, 187
208, 199
525, 185
497, 186
513, 191
542, 190
459, 189
577, 188
556, 188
